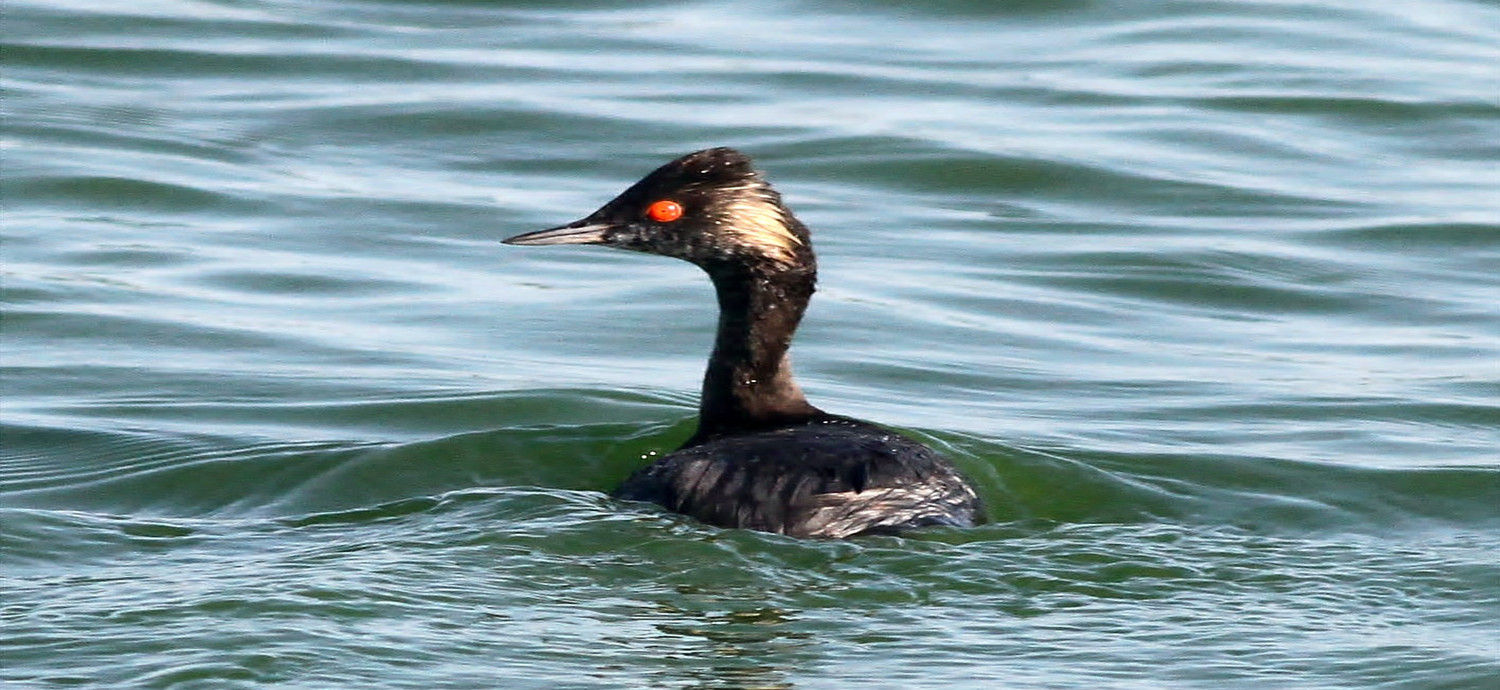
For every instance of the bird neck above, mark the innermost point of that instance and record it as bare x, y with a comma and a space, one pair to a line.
749, 384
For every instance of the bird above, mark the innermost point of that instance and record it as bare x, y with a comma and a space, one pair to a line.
763, 457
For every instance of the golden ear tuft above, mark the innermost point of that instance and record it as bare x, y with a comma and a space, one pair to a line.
762, 224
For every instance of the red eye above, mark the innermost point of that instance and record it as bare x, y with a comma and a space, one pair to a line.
664, 211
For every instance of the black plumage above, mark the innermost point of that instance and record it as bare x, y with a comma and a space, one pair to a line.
763, 457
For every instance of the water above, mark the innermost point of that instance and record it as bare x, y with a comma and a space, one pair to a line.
1201, 295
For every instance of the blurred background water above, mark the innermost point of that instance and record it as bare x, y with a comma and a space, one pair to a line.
1202, 295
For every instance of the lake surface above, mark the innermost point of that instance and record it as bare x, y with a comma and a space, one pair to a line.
1203, 296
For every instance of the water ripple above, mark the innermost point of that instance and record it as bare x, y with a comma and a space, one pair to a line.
1200, 294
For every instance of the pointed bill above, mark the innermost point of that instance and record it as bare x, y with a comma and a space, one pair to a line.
581, 232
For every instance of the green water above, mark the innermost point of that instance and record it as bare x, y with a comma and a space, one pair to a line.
1201, 295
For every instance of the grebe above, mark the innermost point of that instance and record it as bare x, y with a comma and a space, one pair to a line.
763, 458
